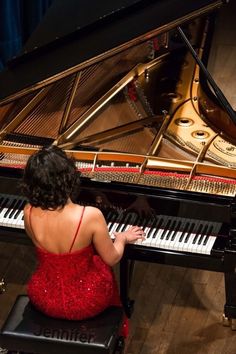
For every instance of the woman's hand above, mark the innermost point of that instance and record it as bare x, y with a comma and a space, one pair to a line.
131, 235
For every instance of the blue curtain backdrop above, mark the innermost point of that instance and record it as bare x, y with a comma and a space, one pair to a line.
18, 19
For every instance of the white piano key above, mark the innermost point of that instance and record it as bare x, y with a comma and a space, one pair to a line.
7, 220
189, 235
156, 239
169, 243
4, 210
10, 220
187, 246
19, 221
177, 243
209, 245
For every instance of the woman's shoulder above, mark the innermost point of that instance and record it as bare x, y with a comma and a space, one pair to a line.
27, 207
93, 211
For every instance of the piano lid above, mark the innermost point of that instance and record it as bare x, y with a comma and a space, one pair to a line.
135, 114
76, 33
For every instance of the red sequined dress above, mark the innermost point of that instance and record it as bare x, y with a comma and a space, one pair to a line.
73, 285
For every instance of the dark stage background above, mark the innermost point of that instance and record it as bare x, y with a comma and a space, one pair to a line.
18, 19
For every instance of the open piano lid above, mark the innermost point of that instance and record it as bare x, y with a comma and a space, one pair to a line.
60, 86
75, 34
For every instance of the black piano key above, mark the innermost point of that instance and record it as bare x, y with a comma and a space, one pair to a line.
176, 230
112, 216
151, 227
185, 229
15, 208
167, 229
21, 207
158, 225
189, 233
123, 223
198, 232
126, 222
130, 219
206, 238
145, 223
113, 220
120, 219
139, 221
170, 231
204, 232
167, 234
4, 204
200, 239
13, 202
135, 220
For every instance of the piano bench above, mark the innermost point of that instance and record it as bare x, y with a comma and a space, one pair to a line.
28, 330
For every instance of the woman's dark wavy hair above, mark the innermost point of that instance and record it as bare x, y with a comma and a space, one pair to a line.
50, 178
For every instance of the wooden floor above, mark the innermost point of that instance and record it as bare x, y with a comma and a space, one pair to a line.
177, 310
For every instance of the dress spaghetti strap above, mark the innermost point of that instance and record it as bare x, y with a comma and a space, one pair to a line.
77, 231
30, 220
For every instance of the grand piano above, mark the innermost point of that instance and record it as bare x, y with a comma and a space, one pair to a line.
123, 87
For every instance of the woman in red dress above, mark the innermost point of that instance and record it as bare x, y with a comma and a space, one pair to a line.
73, 279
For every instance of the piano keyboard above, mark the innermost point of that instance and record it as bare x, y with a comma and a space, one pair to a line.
11, 211
171, 233
163, 231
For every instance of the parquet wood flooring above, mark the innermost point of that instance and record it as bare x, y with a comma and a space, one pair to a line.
180, 313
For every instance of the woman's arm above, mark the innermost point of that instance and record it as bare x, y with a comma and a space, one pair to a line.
111, 252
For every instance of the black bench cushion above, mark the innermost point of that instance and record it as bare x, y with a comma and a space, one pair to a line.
27, 329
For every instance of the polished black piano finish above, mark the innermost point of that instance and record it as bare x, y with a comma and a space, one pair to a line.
101, 29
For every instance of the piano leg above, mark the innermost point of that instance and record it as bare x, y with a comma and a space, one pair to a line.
126, 271
229, 318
